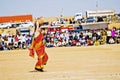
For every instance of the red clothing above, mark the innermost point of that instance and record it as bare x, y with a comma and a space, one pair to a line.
16, 38
39, 47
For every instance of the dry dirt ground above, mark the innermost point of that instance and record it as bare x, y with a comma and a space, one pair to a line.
65, 63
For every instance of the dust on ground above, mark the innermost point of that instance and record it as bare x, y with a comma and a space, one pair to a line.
65, 63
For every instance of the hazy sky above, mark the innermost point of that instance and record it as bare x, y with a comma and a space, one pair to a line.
47, 8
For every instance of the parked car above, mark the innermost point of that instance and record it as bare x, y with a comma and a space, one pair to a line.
22, 30
78, 16
91, 19
15, 25
5, 25
26, 24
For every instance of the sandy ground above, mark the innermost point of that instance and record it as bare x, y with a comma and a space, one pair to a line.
65, 63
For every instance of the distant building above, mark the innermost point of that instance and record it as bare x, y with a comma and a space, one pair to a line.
16, 18
100, 13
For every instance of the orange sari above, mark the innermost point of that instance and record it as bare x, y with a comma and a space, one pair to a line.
38, 46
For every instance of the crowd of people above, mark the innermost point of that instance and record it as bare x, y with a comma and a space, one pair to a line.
60, 39
10, 42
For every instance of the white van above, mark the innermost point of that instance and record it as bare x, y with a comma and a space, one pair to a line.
22, 30
78, 16
5, 25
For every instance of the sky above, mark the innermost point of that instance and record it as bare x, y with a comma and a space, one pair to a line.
50, 8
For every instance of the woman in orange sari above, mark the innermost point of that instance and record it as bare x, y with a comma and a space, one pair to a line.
38, 46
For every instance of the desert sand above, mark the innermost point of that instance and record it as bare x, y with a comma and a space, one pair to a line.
65, 63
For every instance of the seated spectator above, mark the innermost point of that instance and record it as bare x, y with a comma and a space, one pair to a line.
97, 42
1, 47
64, 43
83, 41
111, 41
76, 37
59, 44
69, 42
74, 42
118, 40
78, 43
89, 42
24, 46
49, 45
6, 47
15, 45
10, 46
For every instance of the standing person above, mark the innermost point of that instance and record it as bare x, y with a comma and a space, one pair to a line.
38, 46
113, 34
103, 36
108, 35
